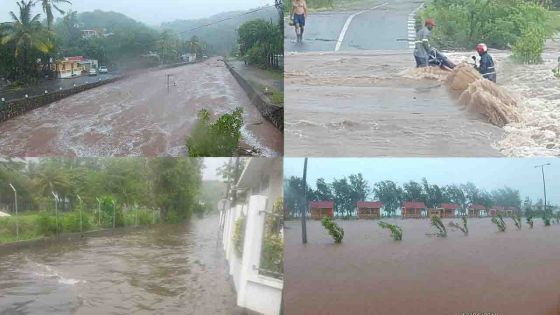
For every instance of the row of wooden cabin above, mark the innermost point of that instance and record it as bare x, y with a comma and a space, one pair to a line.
410, 209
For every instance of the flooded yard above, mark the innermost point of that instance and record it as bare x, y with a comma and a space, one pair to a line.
175, 269
515, 272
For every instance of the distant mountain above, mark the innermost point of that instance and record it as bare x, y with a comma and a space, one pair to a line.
220, 35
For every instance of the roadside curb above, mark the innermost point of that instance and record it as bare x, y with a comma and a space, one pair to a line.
273, 113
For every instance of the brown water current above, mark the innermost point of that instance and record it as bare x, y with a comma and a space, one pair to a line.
162, 270
513, 273
138, 116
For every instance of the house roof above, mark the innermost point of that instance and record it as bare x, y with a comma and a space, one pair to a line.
477, 207
370, 204
75, 58
414, 205
449, 206
321, 204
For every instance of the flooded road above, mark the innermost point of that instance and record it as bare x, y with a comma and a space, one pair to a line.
368, 104
513, 273
137, 116
161, 270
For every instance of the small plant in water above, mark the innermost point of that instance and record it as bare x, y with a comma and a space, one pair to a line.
438, 224
517, 221
530, 221
396, 231
335, 231
499, 221
546, 220
464, 228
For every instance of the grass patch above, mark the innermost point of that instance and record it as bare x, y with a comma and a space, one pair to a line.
396, 231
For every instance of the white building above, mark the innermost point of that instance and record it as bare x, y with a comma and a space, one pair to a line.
258, 188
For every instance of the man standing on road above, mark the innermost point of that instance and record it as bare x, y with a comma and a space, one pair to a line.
423, 43
299, 14
487, 67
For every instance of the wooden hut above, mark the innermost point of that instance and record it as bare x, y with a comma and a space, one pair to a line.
319, 209
413, 209
477, 211
448, 210
369, 210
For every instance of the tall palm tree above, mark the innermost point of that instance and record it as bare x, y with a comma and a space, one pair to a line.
48, 6
26, 34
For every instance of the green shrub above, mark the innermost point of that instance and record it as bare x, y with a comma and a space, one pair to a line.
46, 223
396, 231
220, 138
464, 228
273, 253
530, 221
71, 222
440, 227
517, 221
239, 235
335, 231
500, 223
529, 47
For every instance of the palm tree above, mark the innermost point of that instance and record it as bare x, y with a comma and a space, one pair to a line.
26, 34
48, 6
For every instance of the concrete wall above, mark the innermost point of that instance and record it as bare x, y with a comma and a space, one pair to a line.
273, 113
255, 292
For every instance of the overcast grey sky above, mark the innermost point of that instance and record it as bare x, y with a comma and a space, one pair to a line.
149, 11
211, 166
485, 173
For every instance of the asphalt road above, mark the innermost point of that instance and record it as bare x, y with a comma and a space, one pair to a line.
137, 116
375, 26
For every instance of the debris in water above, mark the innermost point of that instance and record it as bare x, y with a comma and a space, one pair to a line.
482, 96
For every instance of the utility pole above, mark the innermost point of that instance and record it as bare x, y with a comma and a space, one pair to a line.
16, 209
304, 206
544, 184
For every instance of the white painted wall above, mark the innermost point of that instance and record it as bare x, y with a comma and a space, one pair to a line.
254, 291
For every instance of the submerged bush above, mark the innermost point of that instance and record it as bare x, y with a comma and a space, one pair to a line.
517, 221
71, 222
530, 221
464, 228
220, 138
500, 223
46, 223
335, 231
396, 231
440, 227
529, 47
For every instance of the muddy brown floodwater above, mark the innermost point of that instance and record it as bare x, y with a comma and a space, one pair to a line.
137, 116
374, 103
161, 270
511, 273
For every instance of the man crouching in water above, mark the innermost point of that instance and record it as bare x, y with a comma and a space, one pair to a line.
487, 67
423, 47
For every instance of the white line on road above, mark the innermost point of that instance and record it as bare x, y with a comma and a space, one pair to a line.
347, 25
412, 27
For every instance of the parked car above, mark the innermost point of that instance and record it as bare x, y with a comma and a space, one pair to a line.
103, 69
92, 72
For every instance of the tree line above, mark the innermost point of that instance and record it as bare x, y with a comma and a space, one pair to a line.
347, 191
29, 44
169, 184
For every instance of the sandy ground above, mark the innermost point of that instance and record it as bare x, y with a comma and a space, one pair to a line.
137, 117
513, 273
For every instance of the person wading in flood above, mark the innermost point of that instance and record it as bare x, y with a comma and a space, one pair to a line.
299, 14
423, 46
487, 67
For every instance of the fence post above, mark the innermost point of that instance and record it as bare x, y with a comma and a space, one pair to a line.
252, 244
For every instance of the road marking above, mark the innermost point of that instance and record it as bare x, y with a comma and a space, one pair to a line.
347, 25
412, 27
